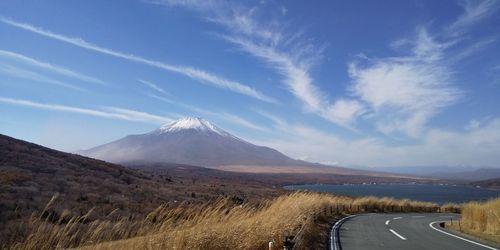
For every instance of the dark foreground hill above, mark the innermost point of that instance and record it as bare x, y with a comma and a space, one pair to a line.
31, 174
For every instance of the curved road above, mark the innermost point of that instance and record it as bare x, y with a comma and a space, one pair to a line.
400, 231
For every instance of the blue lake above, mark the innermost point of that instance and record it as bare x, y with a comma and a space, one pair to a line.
433, 193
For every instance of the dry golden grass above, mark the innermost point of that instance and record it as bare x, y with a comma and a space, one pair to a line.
481, 220
450, 208
221, 224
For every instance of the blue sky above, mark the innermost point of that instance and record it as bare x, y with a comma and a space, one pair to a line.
353, 83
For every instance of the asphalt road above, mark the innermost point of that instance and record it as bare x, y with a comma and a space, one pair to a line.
400, 231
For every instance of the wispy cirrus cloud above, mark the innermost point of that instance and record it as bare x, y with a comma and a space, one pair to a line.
138, 115
191, 72
153, 86
290, 54
14, 71
238, 120
107, 112
49, 67
404, 92
474, 11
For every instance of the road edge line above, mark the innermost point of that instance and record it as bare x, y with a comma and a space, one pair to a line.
334, 240
458, 237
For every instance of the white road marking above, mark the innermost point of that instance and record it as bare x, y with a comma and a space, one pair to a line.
418, 216
333, 233
397, 218
387, 222
399, 235
458, 237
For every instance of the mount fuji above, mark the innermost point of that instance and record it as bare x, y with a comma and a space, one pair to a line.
191, 141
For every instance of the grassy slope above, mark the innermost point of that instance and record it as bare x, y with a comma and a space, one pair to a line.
223, 224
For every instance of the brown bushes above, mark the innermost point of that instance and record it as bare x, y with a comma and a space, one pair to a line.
481, 220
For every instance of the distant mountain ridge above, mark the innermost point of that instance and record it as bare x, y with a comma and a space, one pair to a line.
443, 172
493, 183
192, 141
476, 175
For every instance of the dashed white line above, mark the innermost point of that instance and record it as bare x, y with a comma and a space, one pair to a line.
399, 235
418, 216
397, 218
387, 222
458, 237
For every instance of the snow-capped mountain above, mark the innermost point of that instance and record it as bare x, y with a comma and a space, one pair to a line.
191, 123
192, 141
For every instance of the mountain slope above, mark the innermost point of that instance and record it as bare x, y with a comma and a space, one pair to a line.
191, 141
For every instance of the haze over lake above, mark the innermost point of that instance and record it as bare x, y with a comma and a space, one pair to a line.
433, 193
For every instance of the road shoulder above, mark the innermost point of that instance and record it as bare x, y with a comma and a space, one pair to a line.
466, 236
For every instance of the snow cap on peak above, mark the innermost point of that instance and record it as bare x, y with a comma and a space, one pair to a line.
190, 123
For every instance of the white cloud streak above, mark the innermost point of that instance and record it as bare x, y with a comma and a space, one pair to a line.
153, 86
33, 76
193, 73
474, 11
113, 112
49, 67
139, 115
238, 120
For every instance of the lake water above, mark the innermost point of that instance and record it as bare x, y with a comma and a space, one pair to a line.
433, 193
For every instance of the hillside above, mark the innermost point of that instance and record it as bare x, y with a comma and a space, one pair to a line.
31, 174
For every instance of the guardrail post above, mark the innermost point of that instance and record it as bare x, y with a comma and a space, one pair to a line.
288, 241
